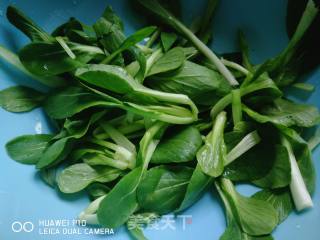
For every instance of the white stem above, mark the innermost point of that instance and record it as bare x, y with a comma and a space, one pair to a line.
299, 191
64, 45
118, 137
89, 214
243, 146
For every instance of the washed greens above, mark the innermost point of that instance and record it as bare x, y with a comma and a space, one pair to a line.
146, 124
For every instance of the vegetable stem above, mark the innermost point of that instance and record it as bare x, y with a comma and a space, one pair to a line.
206, 51
236, 106
89, 214
235, 66
171, 97
304, 86
227, 99
299, 192
153, 38
248, 142
65, 47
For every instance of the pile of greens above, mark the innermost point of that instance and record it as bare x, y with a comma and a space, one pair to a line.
147, 123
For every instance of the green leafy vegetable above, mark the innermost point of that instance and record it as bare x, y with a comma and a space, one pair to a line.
168, 18
123, 195
287, 113
252, 216
279, 198
20, 99
307, 50
131, 41
167, 40
296, 57
163, 188
28, 149
120, 101
78, 176
170, 61
96, 190
48, 59
198, 183
61, 147
72, 100
212, 156
26, 25
202, 85
181, 146
13, 59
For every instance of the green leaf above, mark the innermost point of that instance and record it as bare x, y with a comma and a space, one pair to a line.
287, 113
111, 37
54, 153
271, 169
308, 46
78, 176
212, 155
280, 199
96, 190
121, 202
254, 217
48, 59
181, 146
234, 231
162, 188
112, 78
72, 100
137, 37
167, 40
64, 29
26, 25
20, 99
28, 149
280, 173
132, 40
13, 59
195, 189
300, 54
171, 60
110, 16
202, 85
58, 150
